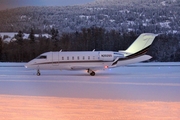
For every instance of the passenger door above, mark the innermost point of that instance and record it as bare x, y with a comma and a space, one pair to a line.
55, 58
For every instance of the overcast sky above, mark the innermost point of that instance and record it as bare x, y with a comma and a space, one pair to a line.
4, 4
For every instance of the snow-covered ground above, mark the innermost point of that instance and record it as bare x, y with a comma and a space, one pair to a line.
142, 81
9, 36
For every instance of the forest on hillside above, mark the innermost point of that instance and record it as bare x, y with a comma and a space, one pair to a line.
144, 16
166, 47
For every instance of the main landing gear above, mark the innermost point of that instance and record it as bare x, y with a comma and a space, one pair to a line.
92, 73
38, 72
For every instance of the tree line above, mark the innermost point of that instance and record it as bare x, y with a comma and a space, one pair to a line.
166, 47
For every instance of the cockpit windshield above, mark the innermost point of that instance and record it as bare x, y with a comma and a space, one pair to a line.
41, 57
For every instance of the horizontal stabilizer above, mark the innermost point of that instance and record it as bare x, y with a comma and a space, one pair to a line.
131, 61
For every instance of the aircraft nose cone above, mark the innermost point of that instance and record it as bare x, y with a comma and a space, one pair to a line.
30, 64
26, 65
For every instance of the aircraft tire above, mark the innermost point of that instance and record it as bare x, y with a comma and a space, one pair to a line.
92, 73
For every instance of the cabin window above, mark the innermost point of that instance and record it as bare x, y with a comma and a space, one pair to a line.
73, 58
42, 57
83, 57
62, 58
88, 57
78, 57
67, 58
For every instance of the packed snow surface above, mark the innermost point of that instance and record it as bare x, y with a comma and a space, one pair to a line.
143, 81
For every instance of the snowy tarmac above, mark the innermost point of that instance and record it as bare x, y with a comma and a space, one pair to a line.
143, 81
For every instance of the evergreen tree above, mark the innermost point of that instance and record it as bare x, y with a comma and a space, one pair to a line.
20, 50
54, 34
32, 36
19, 37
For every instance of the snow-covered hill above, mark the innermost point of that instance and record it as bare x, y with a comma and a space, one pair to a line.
158, 16
137, 3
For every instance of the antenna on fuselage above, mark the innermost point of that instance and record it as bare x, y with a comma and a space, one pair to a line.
60, 50
93, 50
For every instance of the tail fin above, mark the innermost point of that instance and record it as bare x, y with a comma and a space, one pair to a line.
141, 43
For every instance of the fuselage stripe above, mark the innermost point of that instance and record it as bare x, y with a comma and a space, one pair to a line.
59, 62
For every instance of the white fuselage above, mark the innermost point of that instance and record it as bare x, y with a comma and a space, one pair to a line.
74, 60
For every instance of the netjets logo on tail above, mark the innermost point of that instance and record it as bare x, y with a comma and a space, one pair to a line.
146, 39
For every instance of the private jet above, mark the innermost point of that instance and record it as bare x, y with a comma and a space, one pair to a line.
92, 61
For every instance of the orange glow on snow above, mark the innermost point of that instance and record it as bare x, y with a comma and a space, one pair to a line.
51, 108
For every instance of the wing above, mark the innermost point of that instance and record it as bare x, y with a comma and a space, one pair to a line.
94, 68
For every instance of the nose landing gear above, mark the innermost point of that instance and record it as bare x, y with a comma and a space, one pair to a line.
38, 72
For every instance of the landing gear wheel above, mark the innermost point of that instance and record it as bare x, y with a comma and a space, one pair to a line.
38, 73
92, 73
